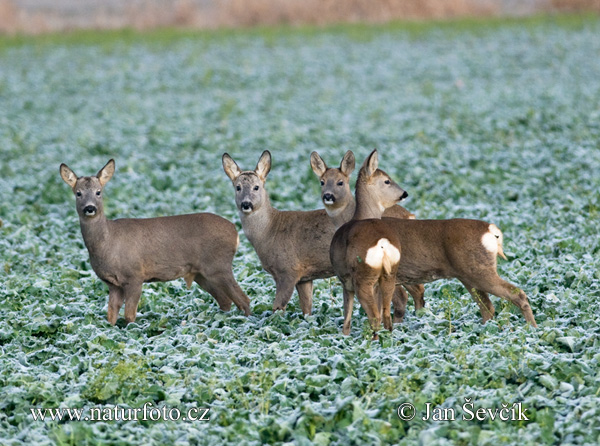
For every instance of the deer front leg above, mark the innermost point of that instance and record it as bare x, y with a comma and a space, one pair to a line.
115, 302
417, 292
399, 299
132, 293
283, 294
305, 292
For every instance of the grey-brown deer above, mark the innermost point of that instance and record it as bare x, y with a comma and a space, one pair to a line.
340, 206
293, 246
127, 252
365, 252
457, 248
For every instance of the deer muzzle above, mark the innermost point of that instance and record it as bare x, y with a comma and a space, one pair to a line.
328, 199
90, 210
246, 207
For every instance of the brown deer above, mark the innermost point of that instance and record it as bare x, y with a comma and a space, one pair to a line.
443, 249
127, 252
340, 206
365, 252
293, 246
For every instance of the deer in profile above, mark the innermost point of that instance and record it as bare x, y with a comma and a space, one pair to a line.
444, 249
127, 252
365, 252
293, 246
340, 206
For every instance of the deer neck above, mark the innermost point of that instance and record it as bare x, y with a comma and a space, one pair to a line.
256, 225
95, 233
343, 214
367, 205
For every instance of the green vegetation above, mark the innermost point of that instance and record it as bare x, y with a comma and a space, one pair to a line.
491, 120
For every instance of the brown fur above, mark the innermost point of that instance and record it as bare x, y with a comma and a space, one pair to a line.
125, 253
293, 246
340, 206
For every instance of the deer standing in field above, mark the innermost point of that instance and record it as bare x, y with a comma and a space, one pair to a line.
365, 252
293, 246
340, 206
127, 252
443, 249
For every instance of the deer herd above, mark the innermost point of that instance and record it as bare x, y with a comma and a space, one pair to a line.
376, 248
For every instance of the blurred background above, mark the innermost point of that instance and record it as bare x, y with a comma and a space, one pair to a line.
41, 16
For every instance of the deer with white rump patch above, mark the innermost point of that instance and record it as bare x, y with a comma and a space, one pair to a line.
127, 252
365, 252
458, 248
340, 206
293, 246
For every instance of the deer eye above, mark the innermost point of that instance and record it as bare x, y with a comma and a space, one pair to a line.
255, 187
78, 193
238, 188
340, 183
98, 193
322, 183
388, 182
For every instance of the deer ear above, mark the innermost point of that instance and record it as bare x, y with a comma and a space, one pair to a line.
371, 163
348, 163
318, 165
106, 172
230, 167
68, 175
263, 167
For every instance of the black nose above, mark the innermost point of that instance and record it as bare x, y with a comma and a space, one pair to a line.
328, 197
89, 209
246, 205
404, 195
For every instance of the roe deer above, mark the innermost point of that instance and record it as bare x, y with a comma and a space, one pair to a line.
365, 252
457, 248
127, 252
293, 246
340, 206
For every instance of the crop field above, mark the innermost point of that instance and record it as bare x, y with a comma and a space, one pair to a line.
494, 120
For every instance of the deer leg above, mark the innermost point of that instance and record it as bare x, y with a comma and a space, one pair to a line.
387, 286
366, 297
482, 299
115, 302
132, 293
210, 287
305, 292
283, 293
514, 294
417, 292
224, 288
399, 299
348, 306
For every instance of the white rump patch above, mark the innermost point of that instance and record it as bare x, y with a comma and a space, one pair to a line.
383, 254
492, 241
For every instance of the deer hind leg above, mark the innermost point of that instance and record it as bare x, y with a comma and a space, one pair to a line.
512, 293
224, 288
348, 306
417, 292
115, 302
482, 299
366, 297
399, 299
132, 293
305, 295
387, 286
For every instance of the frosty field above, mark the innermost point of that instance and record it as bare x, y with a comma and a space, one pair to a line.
491, 120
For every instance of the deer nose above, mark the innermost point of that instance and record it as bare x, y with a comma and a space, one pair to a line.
246, 206
404, 195
90, 210
328, 198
